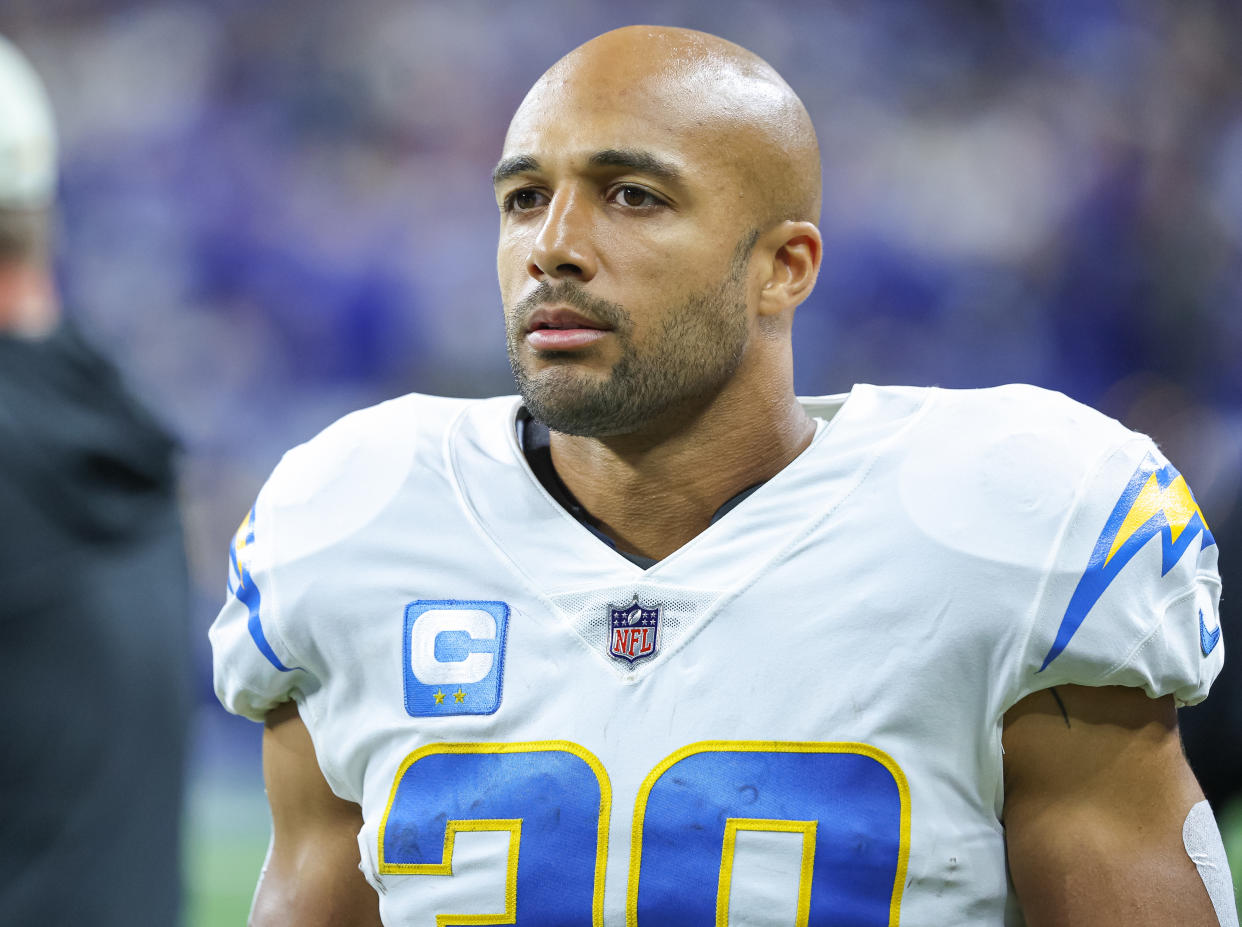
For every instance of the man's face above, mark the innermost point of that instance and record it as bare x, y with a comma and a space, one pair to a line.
622, 258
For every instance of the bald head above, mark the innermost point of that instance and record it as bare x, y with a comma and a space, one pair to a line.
658, 193
695, 86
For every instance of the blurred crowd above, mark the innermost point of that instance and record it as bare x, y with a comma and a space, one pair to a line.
276, 212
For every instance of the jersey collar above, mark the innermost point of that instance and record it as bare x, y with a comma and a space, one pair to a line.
553, 551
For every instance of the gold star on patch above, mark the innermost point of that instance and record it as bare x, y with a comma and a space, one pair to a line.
439, 697
459, 695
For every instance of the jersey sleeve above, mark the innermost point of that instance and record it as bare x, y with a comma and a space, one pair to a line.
253, 666
1132, 594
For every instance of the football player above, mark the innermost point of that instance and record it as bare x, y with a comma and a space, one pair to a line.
656, 642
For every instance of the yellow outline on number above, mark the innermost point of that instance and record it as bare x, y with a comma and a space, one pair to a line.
732, 826
769, 746
513, 826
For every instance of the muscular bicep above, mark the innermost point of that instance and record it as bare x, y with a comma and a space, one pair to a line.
1096, 793
311, 878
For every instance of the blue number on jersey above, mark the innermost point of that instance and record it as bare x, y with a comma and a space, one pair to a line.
551, 796
849, 800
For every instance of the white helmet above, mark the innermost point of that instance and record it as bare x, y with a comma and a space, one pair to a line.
27, 134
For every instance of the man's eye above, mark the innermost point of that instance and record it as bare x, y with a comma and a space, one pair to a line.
522, 200
635, 197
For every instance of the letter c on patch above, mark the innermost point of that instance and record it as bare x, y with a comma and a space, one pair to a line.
428, 628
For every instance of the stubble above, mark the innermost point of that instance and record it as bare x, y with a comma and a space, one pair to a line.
689, 358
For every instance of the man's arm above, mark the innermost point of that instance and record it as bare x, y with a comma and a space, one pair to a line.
311, 878
1096, 793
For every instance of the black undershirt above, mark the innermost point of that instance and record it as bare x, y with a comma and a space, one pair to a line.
535, 439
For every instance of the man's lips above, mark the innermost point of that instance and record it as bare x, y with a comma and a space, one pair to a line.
561, 318
561, 329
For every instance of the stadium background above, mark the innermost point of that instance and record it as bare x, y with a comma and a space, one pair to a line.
274, 213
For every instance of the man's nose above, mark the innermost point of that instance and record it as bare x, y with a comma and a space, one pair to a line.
563, 247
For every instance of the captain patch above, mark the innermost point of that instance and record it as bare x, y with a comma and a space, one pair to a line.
454, 656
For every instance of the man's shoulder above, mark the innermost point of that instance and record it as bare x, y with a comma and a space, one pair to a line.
1033, 406
1020, 429
975, 431
1012, 458
371, 450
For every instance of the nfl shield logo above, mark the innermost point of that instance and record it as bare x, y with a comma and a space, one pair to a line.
632, 631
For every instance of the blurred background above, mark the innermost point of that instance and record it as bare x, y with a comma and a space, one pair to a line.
273, 213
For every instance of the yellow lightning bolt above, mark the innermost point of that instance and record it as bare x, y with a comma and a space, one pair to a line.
1177, 502
241, 536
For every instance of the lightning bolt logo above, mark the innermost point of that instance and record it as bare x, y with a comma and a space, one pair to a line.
242, 585
238, 553
1156, 501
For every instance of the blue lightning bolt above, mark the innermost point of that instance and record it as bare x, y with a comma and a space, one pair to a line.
242, 585
1156, 501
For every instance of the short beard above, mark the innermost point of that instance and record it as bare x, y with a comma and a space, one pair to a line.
691, 357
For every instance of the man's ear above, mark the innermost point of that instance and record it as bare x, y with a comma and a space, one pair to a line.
796, 250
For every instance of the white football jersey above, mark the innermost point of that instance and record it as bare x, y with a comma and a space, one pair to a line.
794, 719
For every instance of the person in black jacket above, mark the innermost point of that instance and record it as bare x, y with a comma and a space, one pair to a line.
94, 667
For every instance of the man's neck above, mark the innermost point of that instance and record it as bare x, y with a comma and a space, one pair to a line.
655, 490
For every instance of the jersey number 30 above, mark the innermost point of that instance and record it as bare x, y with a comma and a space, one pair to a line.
849, 801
